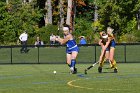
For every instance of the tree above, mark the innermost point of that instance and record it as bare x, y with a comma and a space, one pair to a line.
118, 14
69, 11
61, 19
16, 17
7, 1
48, 7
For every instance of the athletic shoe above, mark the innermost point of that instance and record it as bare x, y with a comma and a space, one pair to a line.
115, 70
85, 71
26, 51
75, 71
100, 69
71, 70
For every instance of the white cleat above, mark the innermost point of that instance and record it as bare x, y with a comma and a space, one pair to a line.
71, 70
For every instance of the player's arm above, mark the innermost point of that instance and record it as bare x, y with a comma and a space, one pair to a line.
102, 54
107, 43
60, 40
100, 43
63, 41
104, 49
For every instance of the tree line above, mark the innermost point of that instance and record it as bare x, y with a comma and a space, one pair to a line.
84, 17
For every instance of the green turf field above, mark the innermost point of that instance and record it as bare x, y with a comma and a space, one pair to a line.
39, 78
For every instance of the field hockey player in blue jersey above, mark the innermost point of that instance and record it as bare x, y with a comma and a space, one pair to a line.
71, 49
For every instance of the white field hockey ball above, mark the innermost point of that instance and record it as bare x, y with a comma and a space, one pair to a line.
54, 72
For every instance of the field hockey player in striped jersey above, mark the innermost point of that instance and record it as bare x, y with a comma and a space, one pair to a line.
108, 44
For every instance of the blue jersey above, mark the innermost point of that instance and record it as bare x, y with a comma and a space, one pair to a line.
71, 46
112, 44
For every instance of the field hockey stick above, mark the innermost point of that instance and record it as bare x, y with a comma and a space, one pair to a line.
90, 67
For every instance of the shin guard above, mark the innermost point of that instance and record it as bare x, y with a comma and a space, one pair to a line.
102, 62
73, 62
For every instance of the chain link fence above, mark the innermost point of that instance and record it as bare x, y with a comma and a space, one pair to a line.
55, 54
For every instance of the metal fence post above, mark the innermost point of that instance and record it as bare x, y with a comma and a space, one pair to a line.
11, 55
95, 52
38, 54
125, 53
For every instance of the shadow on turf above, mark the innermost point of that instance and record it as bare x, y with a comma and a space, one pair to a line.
107, 68
108, 72
69, 73
102, 72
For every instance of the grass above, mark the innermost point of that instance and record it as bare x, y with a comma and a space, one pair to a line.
39, 78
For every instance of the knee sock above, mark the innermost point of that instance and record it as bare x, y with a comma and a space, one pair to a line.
73, 62
113, 64
102, 62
